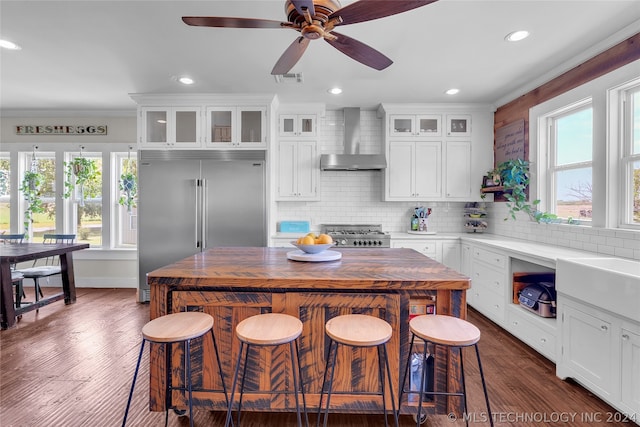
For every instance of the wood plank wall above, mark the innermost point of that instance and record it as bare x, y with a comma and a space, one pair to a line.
619, 55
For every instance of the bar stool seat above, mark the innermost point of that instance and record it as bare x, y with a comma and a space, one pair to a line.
176, 328
446, 331
269, 329
358, 330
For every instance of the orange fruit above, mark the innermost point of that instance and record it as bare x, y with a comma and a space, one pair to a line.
308, 240
324, 239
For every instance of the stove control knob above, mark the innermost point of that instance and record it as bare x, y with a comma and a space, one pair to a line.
342, 242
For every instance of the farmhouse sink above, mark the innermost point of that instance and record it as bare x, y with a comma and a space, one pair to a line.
612, 284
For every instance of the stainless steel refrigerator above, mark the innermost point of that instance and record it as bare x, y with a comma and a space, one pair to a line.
193, 200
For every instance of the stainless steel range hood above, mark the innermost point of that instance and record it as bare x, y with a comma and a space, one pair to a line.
352, 160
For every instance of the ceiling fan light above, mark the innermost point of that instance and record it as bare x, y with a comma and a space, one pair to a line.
516, 36
335, 91
452, 91
9, 45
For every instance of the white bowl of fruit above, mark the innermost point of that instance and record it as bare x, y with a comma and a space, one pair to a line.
312, 244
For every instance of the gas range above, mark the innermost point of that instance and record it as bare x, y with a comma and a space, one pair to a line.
357, 235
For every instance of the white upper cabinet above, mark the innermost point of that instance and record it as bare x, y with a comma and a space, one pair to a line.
411, 125
432, 152
174, 127
298, 171
203, 121
298, 125
235, 127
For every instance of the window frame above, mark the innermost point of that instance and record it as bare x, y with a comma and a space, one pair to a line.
552, 167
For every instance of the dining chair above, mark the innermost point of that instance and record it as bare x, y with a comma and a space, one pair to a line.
16, 276
51, 266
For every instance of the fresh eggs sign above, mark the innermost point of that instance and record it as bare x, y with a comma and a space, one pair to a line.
61, 130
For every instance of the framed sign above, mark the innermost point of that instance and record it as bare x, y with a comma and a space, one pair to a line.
510, 142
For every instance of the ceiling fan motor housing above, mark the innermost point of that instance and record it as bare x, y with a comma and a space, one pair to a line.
323, 8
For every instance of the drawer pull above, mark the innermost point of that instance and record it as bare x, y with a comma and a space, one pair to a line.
543, 340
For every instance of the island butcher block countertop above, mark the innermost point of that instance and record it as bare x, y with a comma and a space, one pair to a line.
375, 268
232, 284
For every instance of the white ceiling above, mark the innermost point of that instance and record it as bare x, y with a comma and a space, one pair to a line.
89, 55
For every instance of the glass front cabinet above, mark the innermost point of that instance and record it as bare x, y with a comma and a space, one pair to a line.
298, 125
175, 127
411, 125
233, 127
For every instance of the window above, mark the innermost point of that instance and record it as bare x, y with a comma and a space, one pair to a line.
125, 216
585, 148
630, 159
85, 213
43, 202
569, 174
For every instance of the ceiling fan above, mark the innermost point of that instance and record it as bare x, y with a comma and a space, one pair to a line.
315, 19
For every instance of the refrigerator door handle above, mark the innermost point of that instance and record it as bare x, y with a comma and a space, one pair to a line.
196, 210
203, 215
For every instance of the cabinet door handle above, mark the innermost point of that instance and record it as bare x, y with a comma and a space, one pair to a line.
625, 337
604, 327
543, 340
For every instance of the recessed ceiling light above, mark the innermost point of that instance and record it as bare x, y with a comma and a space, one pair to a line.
186, 80
335, 91
516, 36
452, 91
9, 45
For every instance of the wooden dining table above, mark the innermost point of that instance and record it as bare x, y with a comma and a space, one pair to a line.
11, 254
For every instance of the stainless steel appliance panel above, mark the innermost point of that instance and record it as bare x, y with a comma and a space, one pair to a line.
235, 203
193, 200
168, 214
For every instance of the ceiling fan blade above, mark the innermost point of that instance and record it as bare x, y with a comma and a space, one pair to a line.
359, 51
301, 5
215, 21
290, 56
368, 10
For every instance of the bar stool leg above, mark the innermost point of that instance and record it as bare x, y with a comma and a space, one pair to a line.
304, 399
295, 384
393, 403
484, 385
224, 387
333, 366
168, 393
233, 386
423, 383
187, 346
135, 375
464, 387
382, 381
406, 371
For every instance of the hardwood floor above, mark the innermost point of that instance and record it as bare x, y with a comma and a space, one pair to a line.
72, 366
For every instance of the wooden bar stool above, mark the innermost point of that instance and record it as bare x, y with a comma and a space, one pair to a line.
358, 330
265, 330
175, 328
450, 332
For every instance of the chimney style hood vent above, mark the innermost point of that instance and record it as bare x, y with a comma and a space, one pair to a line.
352, 160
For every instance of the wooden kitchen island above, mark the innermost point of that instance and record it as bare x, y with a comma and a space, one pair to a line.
232, 284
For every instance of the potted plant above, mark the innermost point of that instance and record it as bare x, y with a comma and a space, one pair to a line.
79, 172
513, 176
129, 190
30, 189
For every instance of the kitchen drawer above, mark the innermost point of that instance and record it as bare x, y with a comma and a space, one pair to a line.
492, 258
489, 278
430, 249
488, 303
526, 329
